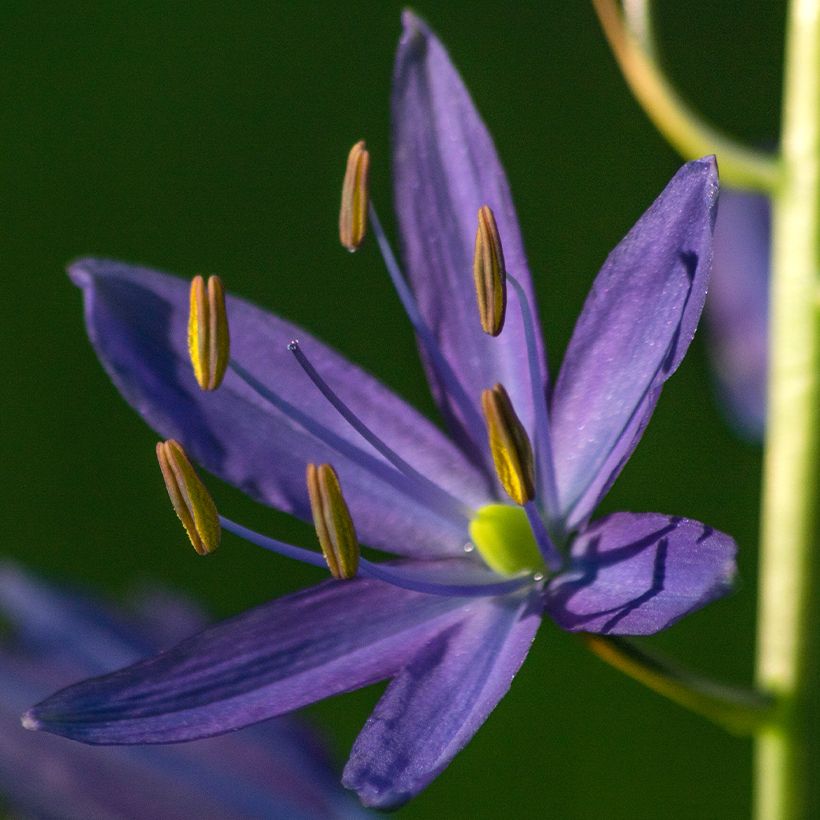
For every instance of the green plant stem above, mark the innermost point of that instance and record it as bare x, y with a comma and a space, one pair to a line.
787, 759
683, 128
739, 711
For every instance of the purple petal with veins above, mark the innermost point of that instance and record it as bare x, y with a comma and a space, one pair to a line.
632, 334
445, 168
275, 770
439, 700
137, 320
270, 660
635, 574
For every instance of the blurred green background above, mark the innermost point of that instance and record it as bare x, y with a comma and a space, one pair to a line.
211, 137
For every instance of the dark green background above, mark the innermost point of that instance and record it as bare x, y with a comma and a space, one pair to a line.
210, 137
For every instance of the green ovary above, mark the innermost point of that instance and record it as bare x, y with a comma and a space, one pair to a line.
505, 541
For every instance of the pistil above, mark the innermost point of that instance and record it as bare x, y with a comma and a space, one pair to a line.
437, 494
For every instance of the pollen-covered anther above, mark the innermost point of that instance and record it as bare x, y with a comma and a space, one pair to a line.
489, 273
332, 520
208, 335
353, 212
509, 444
192, 501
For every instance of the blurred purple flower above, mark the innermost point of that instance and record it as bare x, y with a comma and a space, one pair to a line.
275, 770
737, 308
447, 629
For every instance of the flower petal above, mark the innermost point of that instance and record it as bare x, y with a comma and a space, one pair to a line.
436, 703
738, 305
635, 328
68, 627
446, 168
276, 769
137, 321
635, 574
332, 638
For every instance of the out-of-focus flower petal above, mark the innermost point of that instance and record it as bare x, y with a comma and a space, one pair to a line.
438, 702
635, 328
137, 321
276, 770
445, 168
635, 574
285, 654
738, 305
68, 627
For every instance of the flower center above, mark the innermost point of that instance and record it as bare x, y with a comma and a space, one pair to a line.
504, 538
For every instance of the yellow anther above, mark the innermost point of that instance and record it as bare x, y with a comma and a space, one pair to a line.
353, 213
510, 445
192, 502
208, 337
332, 520
489, 273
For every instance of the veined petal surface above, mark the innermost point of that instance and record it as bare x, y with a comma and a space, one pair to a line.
285, 654
137, 322
445, 168
635, 574
635, 328
438, 701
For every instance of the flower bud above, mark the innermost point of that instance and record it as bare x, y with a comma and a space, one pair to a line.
353, 212
208, 337
510, 445
489, 273
192, 501
332, 520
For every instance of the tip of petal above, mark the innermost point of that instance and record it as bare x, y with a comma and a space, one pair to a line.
83, 272
79, 273
30, 722
415, 28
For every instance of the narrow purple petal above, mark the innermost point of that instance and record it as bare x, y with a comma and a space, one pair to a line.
137, 321
737, 308
635, 574
290, 652
438, 701
446, 168
636, 326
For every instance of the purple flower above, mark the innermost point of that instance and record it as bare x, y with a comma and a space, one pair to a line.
275, 770
451, 622
737, 308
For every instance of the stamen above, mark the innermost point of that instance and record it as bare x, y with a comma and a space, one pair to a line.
353, 211
208, 337
469, 414
489, 273
345, 448
509, 445
543, 443
192, 502
395, 575
370, 437
331, 517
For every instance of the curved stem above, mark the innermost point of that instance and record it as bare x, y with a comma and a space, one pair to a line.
740, 166
788, 753
741, 711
